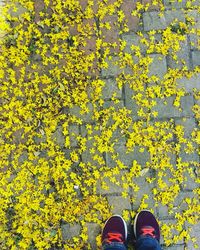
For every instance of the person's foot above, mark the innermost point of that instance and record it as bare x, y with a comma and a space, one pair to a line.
145, 224
115, 230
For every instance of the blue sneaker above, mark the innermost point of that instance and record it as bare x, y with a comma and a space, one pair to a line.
145, 224
114, 231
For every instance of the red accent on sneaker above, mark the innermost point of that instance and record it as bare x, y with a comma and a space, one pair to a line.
148, 231
114, 237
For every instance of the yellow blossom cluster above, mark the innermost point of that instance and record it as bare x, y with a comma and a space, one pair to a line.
60, 135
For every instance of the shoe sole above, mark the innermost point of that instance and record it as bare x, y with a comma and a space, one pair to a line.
125, 225
135, 222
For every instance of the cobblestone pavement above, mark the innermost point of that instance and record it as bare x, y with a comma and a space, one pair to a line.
166, 111
191, 55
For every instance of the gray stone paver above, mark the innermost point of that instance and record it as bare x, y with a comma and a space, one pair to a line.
152, 20
169, 4
195, 58
166, 109
189, 83
113, 69
111, 188
119, 204
188, 124
130, 103
173, 230
93, 231
159, 66
111, 88
194, 233
69, 231
128, 157
183, 56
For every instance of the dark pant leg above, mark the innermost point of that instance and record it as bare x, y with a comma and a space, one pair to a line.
147, 243
114, 246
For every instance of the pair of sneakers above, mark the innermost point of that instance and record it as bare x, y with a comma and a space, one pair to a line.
145, 224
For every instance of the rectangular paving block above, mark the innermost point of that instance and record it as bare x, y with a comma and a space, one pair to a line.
159, 66
189, 156
166, 109
187, 103
112, 68
194, 40
111, 89
183, 56
173, 231
132, 22
194, 233
112, 187
59, 137
119, 204
179, 205
196, 58
174, 4
133, 39
73, 133
128, 157
85, 117
93, 231
88, 155
189, 83
152, 20
189, 124
191, 180
130, 103
70, 231
145, 188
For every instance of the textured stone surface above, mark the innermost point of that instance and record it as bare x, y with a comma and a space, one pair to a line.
133, 39
132, 22
145, 188
189, 156
196, 59
194, 233
188, 124
73, 133
152, 20
88, 156
174, 231
189, 83
112, 188
112, 69
194, 41
183, 56
59, 137
69, 231
130, 103
171, 4
179, 205
93, 231
111, 88
86, 117
167, 110
128, 157
159, 66
190, 182
119, 204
